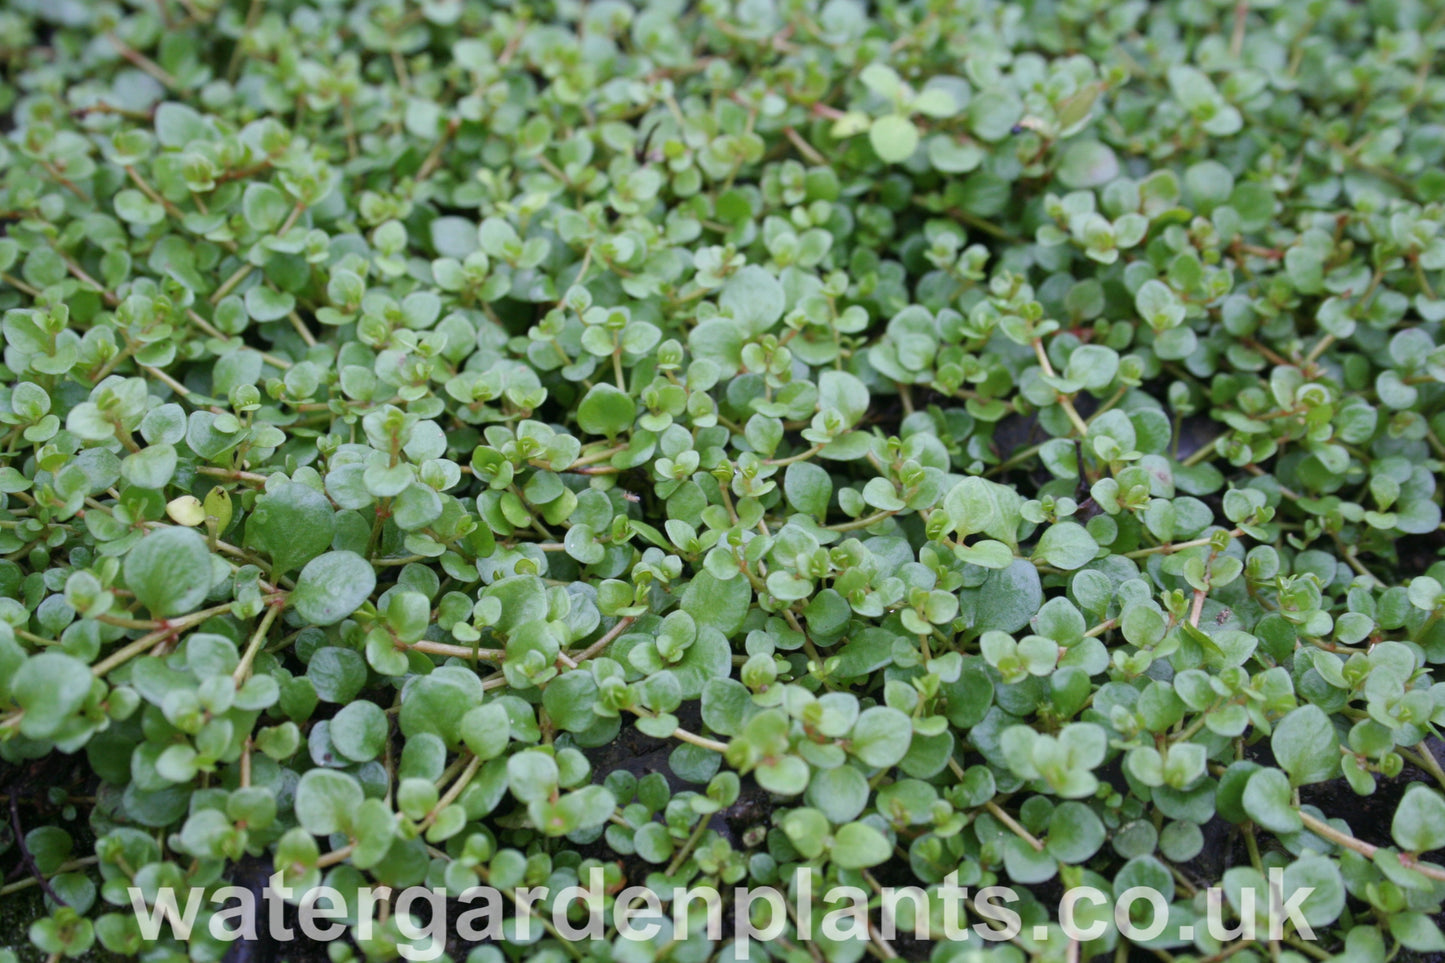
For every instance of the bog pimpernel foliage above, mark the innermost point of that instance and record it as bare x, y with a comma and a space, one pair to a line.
451, 443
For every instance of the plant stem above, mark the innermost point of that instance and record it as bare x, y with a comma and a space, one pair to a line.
125, 623
997, 812
335, 856
1349, 553
1205, 452
1197, 608
146, 642
702, 742
454, 790
1320, 347
800, 456
301, 329
68, 867
595, 457
1427, 761
433, 159
1065, 402
1324, 830
232, 474
687, 847
607, 638
863, 522
459, 651
19, 285
146, 64
243, 670
228, 285
805, 148
27, 859
1172, 547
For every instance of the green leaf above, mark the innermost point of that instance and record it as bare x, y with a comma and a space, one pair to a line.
753, 298
169, 571
336, 674
486, 730
293, 523
882, 80
807, 830
720, 604
1087, 163
844, 393
49, 688
1419, 822
881, 736
1075, 833
265, 303
326, 800
532, 774
808, 488
1066, 545
521, 599
1060, 621
151, 467
135, 208
1006, 599
1321, 875
1307, 746
720, 341
993, 112
438, 703
605, 411
653, 843
858, 846
784, 775
952, 157
359, 731
894, 137
1268, 801
454, 236
709, 657
178, 125
332, 586
1158, 305
839, 793
1416, 931
979, 505
264, 207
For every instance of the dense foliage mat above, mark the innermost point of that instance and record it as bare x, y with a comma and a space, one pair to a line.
448, 443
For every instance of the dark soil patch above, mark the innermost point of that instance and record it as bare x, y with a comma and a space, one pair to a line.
53, 790
1416, 553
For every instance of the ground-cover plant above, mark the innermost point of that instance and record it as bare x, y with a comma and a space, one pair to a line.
449, 443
